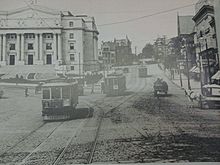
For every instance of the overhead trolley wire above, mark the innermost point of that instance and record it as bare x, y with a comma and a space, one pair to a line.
145, 16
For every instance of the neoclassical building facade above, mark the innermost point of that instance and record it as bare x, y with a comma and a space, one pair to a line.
36, 35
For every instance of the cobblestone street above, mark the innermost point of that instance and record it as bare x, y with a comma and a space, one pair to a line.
135, 127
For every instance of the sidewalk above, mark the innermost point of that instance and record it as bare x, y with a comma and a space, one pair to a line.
194, 93
195, 85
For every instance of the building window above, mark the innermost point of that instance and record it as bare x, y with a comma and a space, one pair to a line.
70, 24
48, 36
11, 36
71, 46
30, 46
12, 47
72, 57
71, 36
48, 46
105, 49
30, 36
72, 67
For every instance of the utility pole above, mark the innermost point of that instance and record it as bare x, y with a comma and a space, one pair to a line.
200, 68
181, 81
187, 66
207, 57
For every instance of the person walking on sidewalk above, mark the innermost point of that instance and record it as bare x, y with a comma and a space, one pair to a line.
26, 92
172, 74
92, 91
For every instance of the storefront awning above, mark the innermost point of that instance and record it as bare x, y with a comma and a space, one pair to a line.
194, 69
211, 86
216, 76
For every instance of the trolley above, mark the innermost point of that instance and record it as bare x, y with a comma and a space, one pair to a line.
142, 72
115, 84
59, 100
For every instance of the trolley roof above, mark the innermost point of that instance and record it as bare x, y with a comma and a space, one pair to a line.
58, 84
115, 75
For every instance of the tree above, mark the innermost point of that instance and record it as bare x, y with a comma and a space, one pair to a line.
147, 51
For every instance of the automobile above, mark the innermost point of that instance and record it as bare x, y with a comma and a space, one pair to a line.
160, 87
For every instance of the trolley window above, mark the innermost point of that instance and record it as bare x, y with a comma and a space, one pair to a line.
55, 92
66, 93
115, 81
46, 94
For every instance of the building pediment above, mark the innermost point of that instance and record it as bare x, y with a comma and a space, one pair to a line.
35, 8
30, 17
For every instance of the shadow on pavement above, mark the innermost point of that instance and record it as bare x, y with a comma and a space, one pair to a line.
82, 113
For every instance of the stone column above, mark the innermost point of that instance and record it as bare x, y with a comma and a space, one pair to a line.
54, 46
36, 55
4, 49
41, 48
18, 48
59, 47
22, 48
0, 47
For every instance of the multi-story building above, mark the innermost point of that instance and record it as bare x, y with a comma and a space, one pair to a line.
205, 39
36, 35
186, 39
124, 54
108, 53
160, 46
217, 23
117, 52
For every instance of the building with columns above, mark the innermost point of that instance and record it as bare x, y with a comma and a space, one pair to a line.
36, 35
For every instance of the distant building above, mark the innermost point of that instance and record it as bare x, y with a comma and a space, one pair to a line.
37, 35
205, 38
124, 54
108, 53
160, 46
117, 52
186, 37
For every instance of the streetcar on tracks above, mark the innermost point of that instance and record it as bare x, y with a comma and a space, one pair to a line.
59, 100
142, 72
115, 84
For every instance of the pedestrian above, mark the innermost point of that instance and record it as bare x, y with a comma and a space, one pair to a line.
172, 74
36, 90
92, 91
102, 87
26, 92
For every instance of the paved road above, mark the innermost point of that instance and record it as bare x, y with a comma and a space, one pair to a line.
142, 129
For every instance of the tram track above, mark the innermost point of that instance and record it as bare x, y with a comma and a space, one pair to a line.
93, 149
103, 115
23, 139
33, 151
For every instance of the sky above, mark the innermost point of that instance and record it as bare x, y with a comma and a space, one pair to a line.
140, 31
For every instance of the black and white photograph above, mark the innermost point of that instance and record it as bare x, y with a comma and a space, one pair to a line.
110, 82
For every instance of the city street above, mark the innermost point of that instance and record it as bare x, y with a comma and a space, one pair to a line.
132, 128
